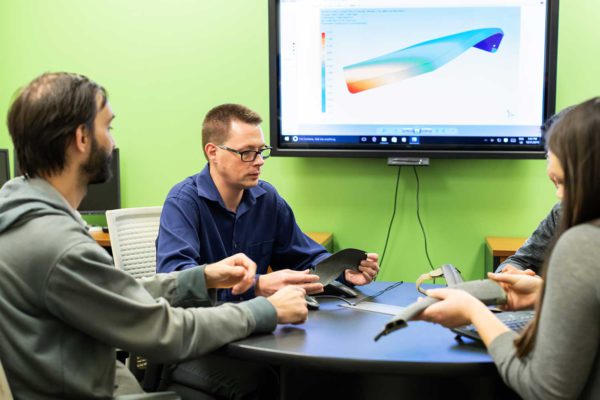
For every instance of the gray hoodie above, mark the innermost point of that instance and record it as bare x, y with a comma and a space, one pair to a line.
64, 307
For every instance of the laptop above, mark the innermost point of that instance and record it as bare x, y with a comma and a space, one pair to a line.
515, 320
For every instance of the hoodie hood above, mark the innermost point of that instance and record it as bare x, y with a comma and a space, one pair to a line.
22, 199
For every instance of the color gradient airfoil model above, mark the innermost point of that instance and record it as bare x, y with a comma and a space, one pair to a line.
418, 59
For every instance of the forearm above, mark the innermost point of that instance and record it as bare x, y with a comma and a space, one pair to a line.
177, 334
488, 326
184, 289
90, 295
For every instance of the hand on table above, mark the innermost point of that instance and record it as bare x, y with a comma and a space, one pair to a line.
290, 305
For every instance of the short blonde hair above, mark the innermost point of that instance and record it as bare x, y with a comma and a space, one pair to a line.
215, 128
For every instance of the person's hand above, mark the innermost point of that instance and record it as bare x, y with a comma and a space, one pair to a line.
456, 308
290, 304
270, 283
511, 269
368, 271
236, 272
521, 290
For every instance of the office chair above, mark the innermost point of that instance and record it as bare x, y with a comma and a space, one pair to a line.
133, 233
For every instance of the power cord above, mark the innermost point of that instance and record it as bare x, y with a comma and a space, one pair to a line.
421, 222
387, 237
373, 296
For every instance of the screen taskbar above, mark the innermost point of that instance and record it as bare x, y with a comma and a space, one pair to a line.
406, 140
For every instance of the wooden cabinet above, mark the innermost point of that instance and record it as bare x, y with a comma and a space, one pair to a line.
497, 249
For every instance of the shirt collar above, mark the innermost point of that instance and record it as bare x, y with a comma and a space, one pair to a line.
207, 189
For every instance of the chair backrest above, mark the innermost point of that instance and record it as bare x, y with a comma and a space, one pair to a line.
133, 233
5, 393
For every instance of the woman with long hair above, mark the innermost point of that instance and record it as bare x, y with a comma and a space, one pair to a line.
558, 354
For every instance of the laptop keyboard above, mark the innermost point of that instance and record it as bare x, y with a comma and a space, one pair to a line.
515, 320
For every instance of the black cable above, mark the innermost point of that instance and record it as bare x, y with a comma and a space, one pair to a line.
373, 296
421, 222
387, 237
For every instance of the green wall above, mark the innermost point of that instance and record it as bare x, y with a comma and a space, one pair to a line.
165, 63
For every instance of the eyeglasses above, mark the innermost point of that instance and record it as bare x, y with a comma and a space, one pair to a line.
249, 155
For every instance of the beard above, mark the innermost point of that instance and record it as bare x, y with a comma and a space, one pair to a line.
97, 167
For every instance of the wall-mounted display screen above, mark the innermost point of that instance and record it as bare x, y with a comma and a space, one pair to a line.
437, 78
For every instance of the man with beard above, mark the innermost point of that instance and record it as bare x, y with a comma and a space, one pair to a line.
64, 306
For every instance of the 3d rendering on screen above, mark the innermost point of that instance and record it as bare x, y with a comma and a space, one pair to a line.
446, 78
418, 59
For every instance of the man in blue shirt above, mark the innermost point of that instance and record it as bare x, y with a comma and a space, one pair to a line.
226, 209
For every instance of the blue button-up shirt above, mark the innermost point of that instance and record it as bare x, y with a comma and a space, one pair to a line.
196, 228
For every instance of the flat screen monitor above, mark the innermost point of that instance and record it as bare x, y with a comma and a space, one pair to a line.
433, 78
100, 196
104, 196
4, 165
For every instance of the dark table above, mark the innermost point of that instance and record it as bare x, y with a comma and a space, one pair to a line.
333, 355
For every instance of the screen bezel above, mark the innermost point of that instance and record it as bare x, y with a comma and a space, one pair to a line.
450, 151
115, 180
6, 165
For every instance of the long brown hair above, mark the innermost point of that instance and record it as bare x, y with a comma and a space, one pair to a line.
575, 141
